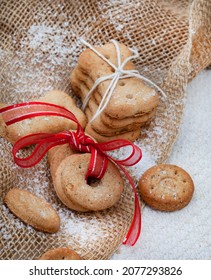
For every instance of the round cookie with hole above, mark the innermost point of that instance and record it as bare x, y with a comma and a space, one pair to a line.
83, 195
166, 187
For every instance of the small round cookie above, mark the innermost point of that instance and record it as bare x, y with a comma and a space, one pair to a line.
60, 254
98, 195
166, 187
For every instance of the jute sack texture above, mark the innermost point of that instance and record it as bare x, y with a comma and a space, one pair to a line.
39, 47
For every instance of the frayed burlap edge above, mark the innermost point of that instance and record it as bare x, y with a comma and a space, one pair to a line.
19, 241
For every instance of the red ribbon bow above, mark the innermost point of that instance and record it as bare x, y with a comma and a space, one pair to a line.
77, 141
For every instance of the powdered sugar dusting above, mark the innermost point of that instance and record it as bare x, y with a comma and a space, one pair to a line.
147, 160
83, 230
43, 61
52, 53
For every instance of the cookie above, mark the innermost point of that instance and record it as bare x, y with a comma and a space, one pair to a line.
32, 210
116, 123
58, 153
51, 153
130, 135
76, 81
61, 98
142, 118
48, 124
88, 60
94, 195
104, 130
56, 156
108, 126
64, 253
128, 124
3, 128
59, 189
166, 187
131, 95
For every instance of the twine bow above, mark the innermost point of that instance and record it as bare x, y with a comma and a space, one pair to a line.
77, 141
119, 73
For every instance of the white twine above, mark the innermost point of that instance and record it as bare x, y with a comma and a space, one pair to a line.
119, 73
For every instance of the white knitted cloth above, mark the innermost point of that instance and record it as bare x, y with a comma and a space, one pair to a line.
185, 234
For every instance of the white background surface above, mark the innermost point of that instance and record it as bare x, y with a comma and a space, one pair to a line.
184, 234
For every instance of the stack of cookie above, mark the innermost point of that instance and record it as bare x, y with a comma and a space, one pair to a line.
131, 105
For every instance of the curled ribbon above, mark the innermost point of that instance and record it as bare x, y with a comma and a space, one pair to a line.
77, 141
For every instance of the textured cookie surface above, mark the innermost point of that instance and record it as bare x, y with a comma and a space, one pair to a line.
47, 124
166, 187
132, 97
59, 188
56, 156
60, 254
32, 210
129, 135
96, 195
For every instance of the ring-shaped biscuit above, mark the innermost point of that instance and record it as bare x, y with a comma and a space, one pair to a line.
100, 195
57, 178
55, 157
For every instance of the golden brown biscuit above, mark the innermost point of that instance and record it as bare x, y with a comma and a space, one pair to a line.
106, 120
116, 123
142, 97
51, 153
82, 87
3, 127
130, 135
128, 128
60, 254
59, 188
103, 123
166, 187
88, 60
61, 98
56, 156
48, 124
104, 130
76, 81
95, 195
131, 95
33, 210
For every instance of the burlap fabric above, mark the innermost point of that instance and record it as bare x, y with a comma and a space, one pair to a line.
39, 47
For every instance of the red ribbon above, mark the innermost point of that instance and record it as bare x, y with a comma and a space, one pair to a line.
77, 141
